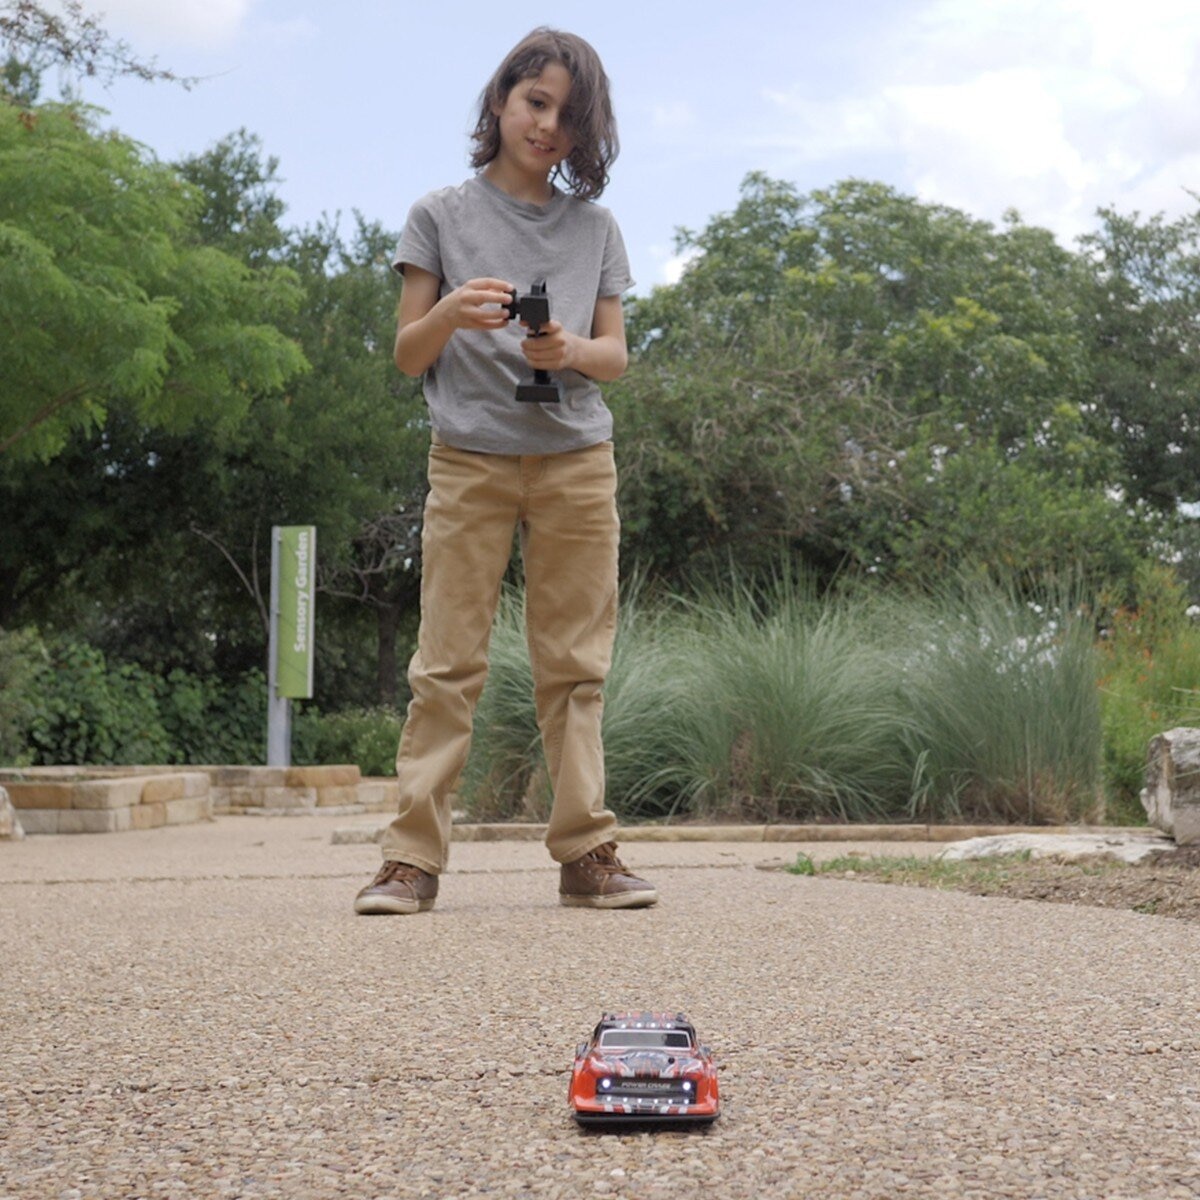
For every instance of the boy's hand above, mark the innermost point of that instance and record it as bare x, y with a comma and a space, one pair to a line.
552, 350
478, 304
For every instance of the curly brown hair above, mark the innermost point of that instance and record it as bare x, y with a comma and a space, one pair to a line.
589, 110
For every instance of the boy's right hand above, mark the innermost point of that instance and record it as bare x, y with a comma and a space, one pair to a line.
478, 304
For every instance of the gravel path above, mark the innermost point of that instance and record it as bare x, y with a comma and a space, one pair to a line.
197, 1012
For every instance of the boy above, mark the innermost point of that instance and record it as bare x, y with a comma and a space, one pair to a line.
545, 469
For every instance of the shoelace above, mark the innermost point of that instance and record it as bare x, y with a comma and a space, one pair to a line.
607, 861
400, 871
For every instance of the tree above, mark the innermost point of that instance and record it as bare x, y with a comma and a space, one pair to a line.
158, 537
241, 211
34, 38
347, 451
735, 453
1145, 344
107, 301
954, 354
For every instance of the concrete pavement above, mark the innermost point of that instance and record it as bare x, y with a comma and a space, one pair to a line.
195, 1011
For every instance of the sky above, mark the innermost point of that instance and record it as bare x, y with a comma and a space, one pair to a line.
1053, 108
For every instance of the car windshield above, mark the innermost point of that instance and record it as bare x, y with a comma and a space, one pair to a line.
644, 1039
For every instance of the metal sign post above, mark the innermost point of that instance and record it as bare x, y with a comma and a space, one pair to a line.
290, 641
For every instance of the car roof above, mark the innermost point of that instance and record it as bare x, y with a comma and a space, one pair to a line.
646, 1019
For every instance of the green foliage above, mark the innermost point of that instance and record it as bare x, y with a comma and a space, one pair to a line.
95, 534
803, 866
64, 702
936, 508
505, 776
21, 656
88, 712
107, 300
872, 385
738, 454
876, 382
646, 694
983, 875
1149, 676
365, 736
241, 210
1145, 350
208, 722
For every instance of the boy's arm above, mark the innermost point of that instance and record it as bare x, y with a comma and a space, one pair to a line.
426, 324
603, 357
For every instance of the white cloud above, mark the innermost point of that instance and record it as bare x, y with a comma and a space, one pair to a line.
670, 266
203, 23
1054, 107
673, 116
1153, 44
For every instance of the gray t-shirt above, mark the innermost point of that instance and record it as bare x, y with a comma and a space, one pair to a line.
476, 231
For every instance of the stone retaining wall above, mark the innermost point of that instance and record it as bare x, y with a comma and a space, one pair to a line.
116, 799
86, 803
274, 789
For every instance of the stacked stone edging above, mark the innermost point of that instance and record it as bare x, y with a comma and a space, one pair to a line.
80, 799
273, 789
282, 791
62, 801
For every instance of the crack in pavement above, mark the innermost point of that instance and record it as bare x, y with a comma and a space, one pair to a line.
345, 875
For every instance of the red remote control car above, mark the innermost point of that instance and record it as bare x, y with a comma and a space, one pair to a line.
640, 1067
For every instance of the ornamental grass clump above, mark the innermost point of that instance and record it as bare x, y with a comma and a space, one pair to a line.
1004, 710
645, 779
792, 711
504, 777
773, 705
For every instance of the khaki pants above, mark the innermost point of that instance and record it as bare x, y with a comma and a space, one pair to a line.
565, 508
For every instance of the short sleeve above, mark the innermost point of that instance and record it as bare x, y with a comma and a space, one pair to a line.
615, 278
420, 244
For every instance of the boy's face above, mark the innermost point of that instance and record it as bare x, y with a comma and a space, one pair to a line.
535, 136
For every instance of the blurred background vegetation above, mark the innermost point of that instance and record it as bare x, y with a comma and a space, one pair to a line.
910, 499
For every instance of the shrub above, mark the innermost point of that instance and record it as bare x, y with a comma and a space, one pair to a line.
506, 775
773, 706
85, 711
646, 707
210, 722
365, 736
1149, 670
21, 654
63, 702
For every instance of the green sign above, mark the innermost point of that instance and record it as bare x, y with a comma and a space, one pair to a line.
297, 595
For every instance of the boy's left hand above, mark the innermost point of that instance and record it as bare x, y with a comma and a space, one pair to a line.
551, 350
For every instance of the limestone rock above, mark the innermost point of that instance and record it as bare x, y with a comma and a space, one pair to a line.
10, 827
1171, 796
1079, 846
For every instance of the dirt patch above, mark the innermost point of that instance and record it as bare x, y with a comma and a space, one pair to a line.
1164, 884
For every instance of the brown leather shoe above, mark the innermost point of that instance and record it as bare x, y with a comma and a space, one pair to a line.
600, 880
398, 888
